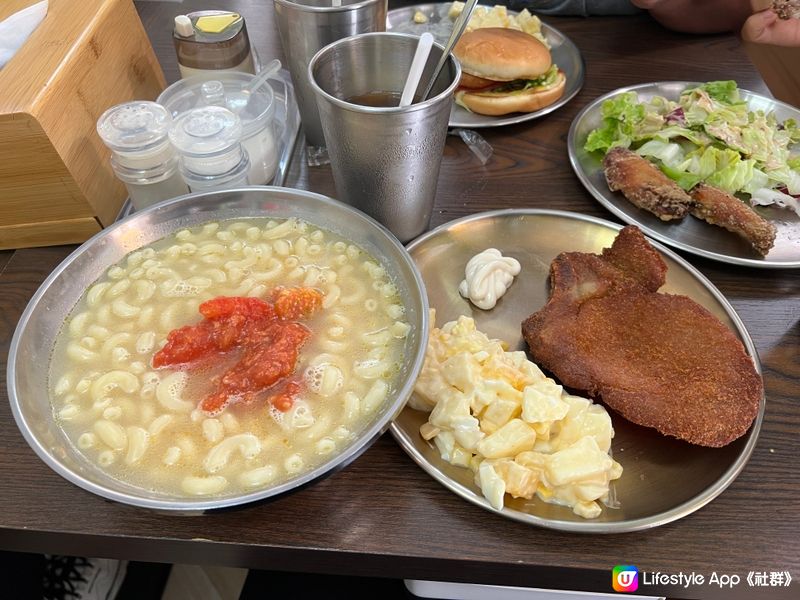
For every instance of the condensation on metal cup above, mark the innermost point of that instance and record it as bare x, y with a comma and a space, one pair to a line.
385, 160
304, 27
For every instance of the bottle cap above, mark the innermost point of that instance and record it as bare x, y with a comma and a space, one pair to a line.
233, 90
134, 126
217, 40
137, 133
208, 140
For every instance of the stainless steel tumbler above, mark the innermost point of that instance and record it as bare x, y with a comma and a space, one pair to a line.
385, 160
304, 27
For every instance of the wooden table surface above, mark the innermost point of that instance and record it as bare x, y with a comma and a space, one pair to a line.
383, 515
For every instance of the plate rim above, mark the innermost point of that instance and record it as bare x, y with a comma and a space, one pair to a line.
588, 526
623, 216
503, 120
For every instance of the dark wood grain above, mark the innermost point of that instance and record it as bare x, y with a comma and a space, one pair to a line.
383, 515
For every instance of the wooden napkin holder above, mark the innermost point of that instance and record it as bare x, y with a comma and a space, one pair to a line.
56, 182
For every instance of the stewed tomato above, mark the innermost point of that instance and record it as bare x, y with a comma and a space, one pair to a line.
265, 337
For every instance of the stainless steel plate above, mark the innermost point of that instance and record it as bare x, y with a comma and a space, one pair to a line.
664, 479
565, 54
689, 234
40, 323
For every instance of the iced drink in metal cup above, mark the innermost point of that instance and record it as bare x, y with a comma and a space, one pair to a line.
304, 27
385, 159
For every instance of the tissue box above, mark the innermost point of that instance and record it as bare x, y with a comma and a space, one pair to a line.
56, 183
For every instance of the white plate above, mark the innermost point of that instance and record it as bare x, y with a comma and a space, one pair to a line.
664, 479
689, 234
565, 54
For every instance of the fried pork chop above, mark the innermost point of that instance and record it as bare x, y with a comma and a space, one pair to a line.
718, 207
645, 185
660, 360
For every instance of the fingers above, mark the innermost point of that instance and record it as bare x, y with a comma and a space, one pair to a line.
757, 27
765, 28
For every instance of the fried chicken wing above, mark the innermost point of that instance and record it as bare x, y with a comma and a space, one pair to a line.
645, 185
659, 360
720, 208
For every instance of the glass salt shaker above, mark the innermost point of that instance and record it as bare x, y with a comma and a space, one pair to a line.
208, 142
137, 133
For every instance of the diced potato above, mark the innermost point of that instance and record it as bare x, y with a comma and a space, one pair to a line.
451, 407
462, 371
460, 457
581, 461
490, 390
498, 413
467, 432
428, 431
495, 413
541, 403
587, 510
508, 441
445, 443
520, 481
492, 485
535, 461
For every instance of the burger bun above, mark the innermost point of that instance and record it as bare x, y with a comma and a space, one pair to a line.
502, 54
496, 104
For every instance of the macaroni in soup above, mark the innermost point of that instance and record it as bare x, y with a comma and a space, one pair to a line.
147, 425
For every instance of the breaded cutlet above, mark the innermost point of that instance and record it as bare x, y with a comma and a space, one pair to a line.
659, 360
720, 208
645, 185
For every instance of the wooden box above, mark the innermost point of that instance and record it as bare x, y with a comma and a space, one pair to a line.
56, 182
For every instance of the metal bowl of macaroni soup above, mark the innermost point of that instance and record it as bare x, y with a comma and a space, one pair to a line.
134, 375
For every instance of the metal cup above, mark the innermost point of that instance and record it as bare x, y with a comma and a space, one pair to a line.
385, 160
304, 27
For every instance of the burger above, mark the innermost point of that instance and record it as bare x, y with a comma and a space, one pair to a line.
506, 71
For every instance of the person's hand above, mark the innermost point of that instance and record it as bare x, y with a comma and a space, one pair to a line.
699, 16
766, 28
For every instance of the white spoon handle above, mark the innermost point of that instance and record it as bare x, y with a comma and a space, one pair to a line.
417, 67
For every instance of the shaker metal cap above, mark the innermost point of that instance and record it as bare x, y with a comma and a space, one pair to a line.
218, 40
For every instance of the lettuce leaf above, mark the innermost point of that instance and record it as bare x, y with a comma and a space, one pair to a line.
722, 91
621, 115
669, 153
684, 179
521, 85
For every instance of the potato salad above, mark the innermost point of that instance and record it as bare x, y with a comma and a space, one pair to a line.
495, 412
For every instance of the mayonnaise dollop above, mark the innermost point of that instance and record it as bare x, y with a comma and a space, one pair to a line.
487, 277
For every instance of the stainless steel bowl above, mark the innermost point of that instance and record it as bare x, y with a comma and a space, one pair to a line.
29, 356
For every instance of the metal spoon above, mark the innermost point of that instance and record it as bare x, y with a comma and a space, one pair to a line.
458, 29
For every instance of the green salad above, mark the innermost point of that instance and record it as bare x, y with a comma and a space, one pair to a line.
709, 135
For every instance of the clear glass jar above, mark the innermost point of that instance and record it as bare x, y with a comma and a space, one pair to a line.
150, 186
141, 154
254, 106
208, 142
